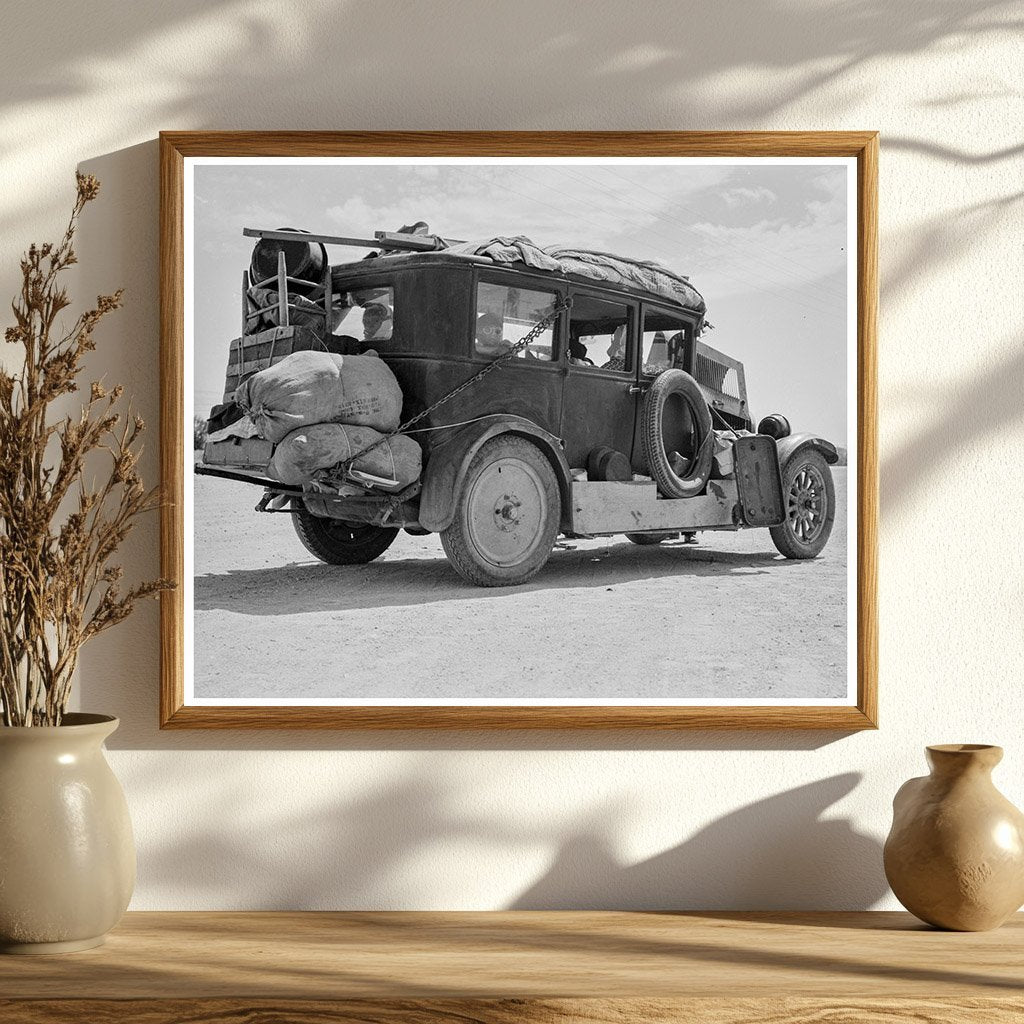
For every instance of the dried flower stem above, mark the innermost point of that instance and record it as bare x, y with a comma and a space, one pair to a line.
58, 588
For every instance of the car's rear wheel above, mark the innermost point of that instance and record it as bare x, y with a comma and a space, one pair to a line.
676, 435
506, 516
649, 539
338, 542
810, 500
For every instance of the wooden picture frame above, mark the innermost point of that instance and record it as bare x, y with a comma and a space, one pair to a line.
178, 147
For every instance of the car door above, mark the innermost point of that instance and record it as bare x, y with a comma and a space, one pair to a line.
506, 308
599, 397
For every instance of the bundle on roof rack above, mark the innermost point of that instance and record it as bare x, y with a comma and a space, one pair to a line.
598, 266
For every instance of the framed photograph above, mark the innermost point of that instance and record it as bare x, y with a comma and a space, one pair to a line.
519, 430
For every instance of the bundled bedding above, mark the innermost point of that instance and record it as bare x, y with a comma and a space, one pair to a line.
319, 414
312, 453
321, 387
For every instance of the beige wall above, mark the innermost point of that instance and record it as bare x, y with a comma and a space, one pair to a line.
701, 820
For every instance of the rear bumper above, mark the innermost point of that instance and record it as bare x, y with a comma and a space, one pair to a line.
399, 510
245, 475
356, 506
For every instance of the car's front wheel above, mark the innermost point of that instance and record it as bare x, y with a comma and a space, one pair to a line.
810, 500
506, 516
340, 543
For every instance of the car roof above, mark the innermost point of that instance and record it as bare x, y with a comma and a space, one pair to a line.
420, 260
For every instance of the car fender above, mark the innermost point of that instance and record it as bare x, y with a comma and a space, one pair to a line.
790, 446
449, 462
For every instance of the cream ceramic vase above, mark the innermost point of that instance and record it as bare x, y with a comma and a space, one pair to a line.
955, 855
67, 856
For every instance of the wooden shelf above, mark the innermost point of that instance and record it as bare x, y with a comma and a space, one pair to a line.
511, 968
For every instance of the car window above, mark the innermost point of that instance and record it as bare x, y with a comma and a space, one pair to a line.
366, 315
664, 342
599, 334
504, 316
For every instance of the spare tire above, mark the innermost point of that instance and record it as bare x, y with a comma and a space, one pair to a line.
676, 435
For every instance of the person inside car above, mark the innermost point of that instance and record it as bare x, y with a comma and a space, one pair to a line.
578, 353
488, 336
677, 351
377, 322
617, 350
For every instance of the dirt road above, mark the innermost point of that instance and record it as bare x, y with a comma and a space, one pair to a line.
727, 617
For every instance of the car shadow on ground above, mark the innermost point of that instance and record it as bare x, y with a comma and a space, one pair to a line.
299, 587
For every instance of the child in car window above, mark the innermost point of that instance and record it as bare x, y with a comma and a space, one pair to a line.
488, 336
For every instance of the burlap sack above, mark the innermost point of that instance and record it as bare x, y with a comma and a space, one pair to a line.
323, 446
321, 387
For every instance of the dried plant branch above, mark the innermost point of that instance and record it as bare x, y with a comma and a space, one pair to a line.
58, 585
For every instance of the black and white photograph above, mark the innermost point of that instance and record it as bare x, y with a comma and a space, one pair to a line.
478, 431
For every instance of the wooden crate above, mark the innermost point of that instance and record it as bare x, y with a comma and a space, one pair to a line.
254, 352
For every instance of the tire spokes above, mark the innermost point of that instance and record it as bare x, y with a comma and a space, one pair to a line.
804, 504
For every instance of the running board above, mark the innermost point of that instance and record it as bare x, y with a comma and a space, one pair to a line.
613, 507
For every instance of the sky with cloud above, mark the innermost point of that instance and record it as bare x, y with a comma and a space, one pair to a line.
766, 244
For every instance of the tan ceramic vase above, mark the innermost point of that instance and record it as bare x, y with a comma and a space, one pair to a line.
67, 856
955, 855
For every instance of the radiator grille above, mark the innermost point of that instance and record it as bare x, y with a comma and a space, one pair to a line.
717, 376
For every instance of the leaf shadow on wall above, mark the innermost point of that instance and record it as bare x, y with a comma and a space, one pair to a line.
320, 65
352, 850
222, 63
955, 408
990, 403
777, 853
399, 844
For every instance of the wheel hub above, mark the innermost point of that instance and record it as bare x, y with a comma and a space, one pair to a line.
506, 506
507, 512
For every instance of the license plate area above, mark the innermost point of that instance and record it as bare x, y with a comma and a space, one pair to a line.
759, 481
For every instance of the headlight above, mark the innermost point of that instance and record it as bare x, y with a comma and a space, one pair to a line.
776, 425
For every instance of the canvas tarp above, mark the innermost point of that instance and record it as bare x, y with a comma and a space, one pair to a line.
646, 275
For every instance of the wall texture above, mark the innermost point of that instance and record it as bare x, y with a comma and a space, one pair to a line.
341, 820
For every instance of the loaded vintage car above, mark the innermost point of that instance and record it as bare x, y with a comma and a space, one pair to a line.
541, 392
